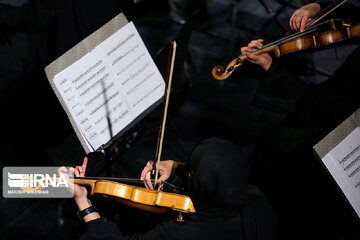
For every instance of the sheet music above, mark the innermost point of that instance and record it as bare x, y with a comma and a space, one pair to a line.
110, 86
343, 162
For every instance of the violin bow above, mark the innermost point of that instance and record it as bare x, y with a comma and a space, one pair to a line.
323, 13
165, 109
326, 11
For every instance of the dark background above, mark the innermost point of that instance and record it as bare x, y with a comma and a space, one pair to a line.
205, 107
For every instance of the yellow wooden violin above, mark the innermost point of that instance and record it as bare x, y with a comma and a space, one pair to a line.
138, 197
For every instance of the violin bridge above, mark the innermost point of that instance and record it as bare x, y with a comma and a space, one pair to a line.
332, 24
161, 186
346, 23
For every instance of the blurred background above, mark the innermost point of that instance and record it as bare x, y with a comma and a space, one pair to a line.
35, 130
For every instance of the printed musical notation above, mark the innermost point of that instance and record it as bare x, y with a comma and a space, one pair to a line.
343, 162
110, 86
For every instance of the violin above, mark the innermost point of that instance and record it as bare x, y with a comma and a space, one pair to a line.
313, 37
155, 201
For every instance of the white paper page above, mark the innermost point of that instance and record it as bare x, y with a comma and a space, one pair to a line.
65, 83
110, 86
343, 163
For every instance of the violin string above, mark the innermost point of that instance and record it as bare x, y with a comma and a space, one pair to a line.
290, 37
134, 180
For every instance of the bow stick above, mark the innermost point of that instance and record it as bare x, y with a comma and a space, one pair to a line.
165, 108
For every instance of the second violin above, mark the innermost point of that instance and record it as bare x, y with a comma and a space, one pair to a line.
340, 30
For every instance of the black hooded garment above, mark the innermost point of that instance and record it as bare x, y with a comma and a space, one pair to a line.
226, 206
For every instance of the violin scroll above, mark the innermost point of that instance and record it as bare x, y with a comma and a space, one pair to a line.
220, 73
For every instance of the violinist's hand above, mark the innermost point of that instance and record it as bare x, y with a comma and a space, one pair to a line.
165, 169
80, 192
299, 19
264, 60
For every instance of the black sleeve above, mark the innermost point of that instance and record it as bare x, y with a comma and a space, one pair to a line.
279, 90
34, 16
323, 4
336, 97
180, 177
100, 230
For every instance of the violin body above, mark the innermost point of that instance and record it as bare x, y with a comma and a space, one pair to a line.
295, 44
354, 31
313, 41
139, 197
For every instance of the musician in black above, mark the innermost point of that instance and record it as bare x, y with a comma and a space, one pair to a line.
283, 163
226, 206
